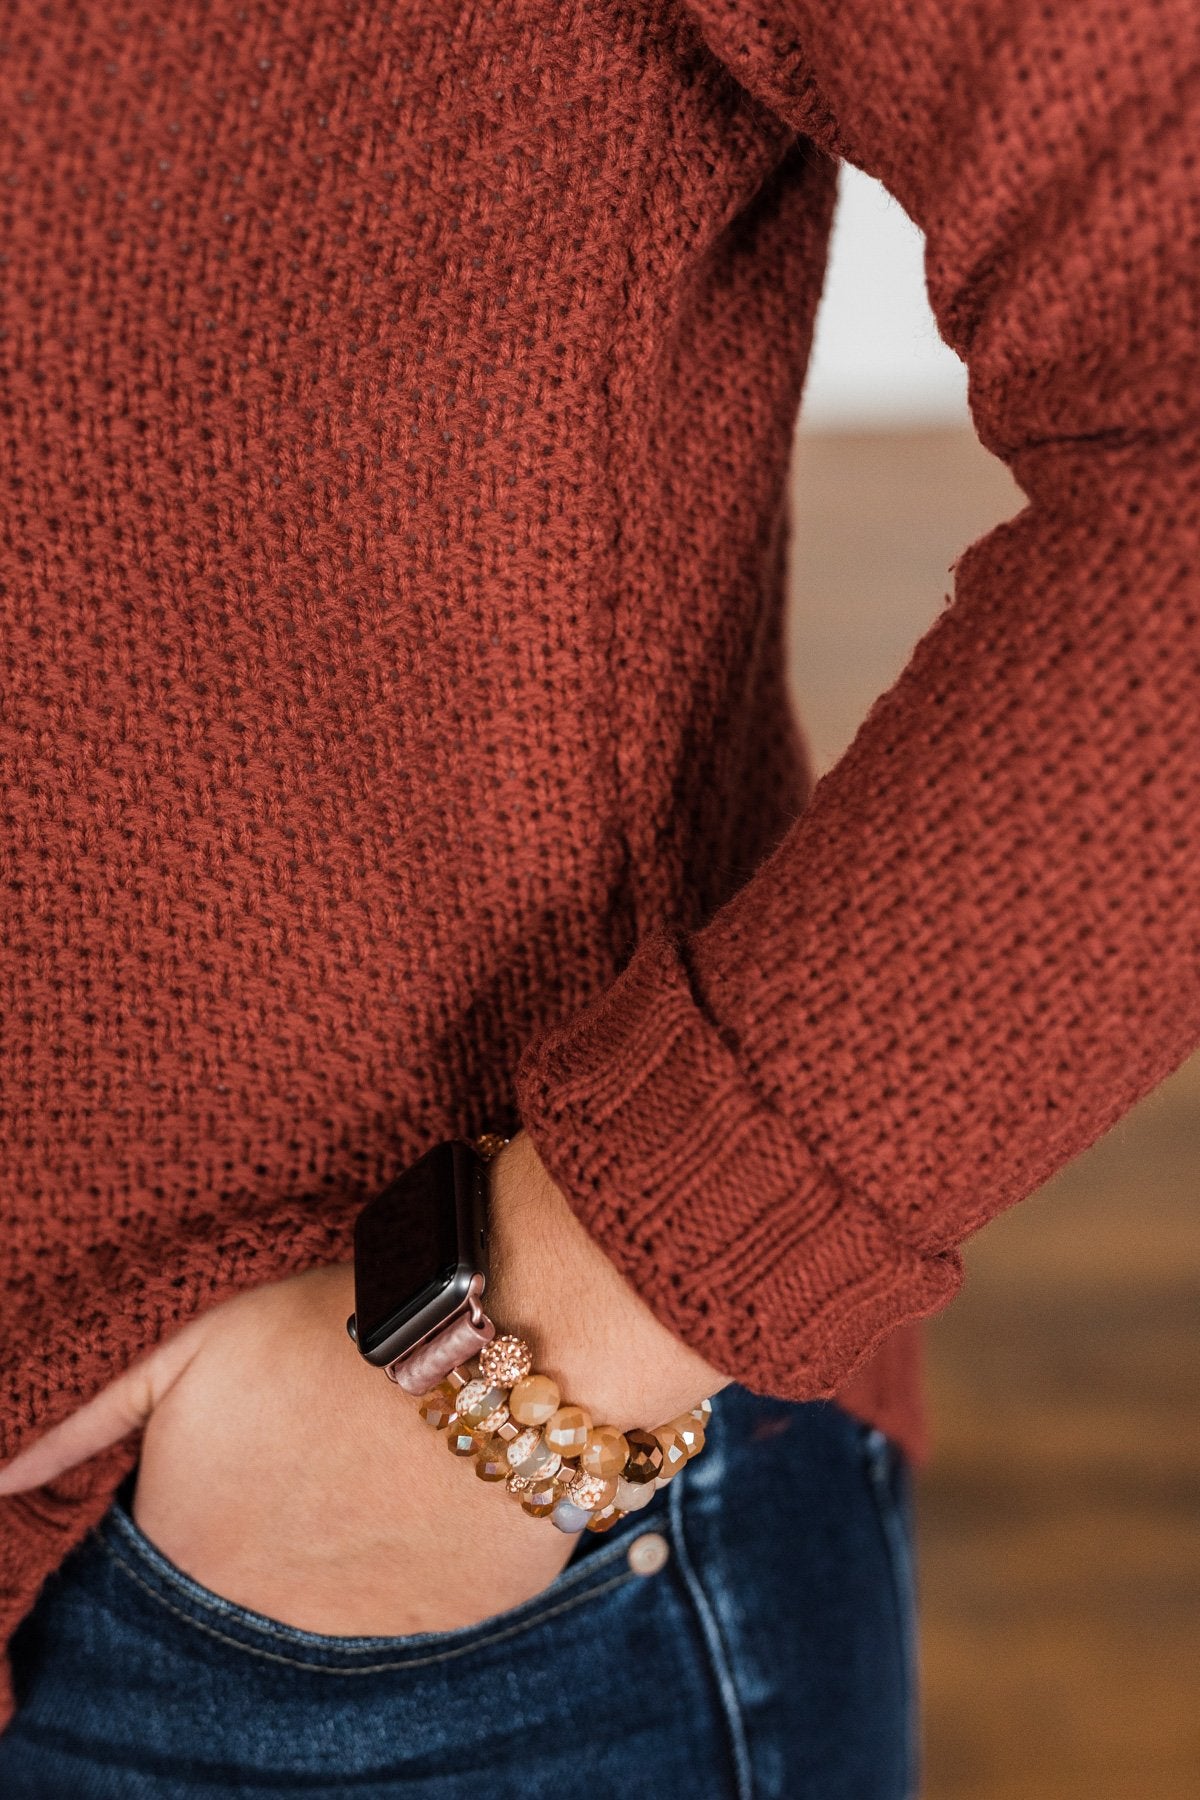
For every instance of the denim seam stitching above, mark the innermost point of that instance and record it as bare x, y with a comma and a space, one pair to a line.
141, 1548
718, 1654
878, 1448
398, 1662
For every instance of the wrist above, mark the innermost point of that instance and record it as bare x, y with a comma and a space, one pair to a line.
552, 1284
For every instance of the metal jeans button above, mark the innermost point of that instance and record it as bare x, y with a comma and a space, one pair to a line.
648, 1553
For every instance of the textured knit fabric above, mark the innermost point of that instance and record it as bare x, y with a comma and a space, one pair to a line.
396, 408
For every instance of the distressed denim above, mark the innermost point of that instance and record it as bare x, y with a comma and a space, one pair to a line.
770, 1650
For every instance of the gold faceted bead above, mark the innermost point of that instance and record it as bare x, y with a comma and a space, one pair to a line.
517, 1484
481, 1405
505, 1360
437, 1406
645, 1457
691, 1431
492, 1463
605, 1519
540, 1499
674, 1451
462, 1441
703, 1412
632, 1496
567, 1430
605, 1452
592, 1491
534, 1399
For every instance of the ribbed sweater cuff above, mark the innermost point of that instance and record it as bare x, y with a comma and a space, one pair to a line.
709, 1202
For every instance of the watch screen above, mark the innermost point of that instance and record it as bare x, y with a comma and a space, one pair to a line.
405, 1247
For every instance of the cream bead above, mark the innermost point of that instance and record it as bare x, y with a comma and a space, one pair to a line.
530, 1455
481, 1406
534, 1399
631, 1496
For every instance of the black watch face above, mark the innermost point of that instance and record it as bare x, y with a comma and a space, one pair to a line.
406, 1248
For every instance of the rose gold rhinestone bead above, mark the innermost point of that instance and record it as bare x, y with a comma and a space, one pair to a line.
481, 1406
645, 1457
567, 1430
461, 1440
540, 1499
534, 1399
673, 1448
605, 1452
505, 1360
592, 1491
437, 1406
492, 1463
517, 1484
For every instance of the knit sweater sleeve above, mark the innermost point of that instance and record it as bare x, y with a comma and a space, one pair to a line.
980, 943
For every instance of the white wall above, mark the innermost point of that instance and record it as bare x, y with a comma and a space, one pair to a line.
877, 358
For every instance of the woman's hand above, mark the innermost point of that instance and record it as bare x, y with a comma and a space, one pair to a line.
279, 1469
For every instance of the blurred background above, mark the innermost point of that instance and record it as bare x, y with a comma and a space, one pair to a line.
1059, 1518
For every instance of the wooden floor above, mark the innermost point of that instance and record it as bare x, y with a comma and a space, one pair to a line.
1059, 1519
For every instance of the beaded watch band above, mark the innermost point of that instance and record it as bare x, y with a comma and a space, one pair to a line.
495, 1409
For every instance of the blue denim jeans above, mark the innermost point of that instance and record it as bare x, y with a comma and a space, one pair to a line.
766, 1648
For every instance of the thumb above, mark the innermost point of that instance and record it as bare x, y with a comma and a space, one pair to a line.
121, 1407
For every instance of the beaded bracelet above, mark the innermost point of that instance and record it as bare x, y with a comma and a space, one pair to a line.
550, 1456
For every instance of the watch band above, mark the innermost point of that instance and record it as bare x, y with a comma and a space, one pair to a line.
458, 1339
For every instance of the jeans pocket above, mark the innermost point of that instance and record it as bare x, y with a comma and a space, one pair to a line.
137, 1683
188, 1603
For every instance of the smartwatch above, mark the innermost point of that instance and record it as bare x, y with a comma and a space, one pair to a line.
420, 1268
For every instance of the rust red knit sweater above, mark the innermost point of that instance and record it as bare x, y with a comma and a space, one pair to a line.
396, 403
